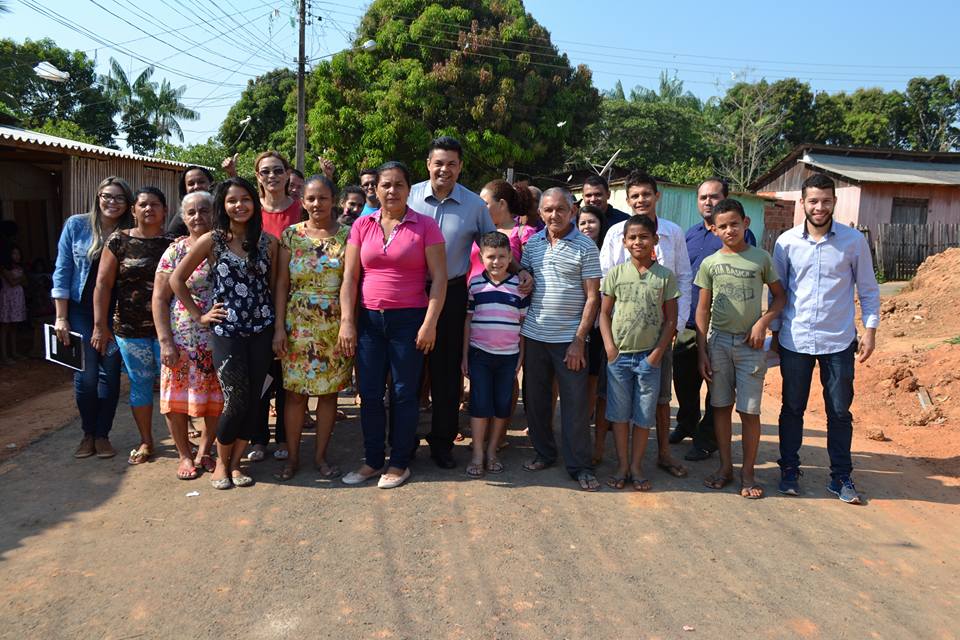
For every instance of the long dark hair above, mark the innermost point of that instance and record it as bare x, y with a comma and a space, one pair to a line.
221, 221
182, 184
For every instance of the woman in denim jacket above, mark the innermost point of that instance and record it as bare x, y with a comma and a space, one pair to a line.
97, 387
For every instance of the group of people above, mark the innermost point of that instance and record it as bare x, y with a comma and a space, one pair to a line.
290, 286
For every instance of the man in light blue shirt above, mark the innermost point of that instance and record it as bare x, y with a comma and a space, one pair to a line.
463, 217
820, 262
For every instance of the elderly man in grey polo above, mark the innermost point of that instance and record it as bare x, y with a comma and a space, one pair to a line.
565, 265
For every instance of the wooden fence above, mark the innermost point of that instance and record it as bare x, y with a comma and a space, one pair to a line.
900, 248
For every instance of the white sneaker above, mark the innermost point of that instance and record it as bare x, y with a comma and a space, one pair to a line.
391, 481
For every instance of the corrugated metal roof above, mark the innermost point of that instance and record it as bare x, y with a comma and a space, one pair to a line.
45, 140
885, 170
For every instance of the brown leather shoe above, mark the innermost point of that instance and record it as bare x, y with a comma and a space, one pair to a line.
104, 448
86, 448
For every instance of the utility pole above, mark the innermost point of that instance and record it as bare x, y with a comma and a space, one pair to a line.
301, 97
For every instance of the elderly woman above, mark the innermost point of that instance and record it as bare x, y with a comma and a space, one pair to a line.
391, 256
97, 387
129, 264
242, 259
307, 300
188, 381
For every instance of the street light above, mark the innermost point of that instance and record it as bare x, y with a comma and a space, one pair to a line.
47, 71
301, 94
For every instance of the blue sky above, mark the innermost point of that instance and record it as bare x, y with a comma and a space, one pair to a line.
838, 45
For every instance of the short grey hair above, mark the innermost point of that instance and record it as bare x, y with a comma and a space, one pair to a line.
203, 195
559, 191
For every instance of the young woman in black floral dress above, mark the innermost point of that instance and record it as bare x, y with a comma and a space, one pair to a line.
243, 270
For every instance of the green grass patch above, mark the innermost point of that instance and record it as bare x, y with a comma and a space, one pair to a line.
953, 340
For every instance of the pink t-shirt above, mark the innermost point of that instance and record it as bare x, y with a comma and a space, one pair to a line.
274, 222
517, 237
394, 271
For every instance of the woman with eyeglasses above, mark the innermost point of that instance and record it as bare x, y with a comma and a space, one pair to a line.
279, 211
127, 268
242, 261
97, 387
188, 381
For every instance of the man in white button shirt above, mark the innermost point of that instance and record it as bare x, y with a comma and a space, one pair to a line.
671, 252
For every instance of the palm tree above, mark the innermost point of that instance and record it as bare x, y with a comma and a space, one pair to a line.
149, 111
165, 109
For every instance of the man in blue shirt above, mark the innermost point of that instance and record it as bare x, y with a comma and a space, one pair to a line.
368, 182
701, 243
463, 217
820, 262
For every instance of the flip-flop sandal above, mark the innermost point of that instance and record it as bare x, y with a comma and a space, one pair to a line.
333, 471
475, 470
641, 484
588, 481
241, 480
494, 466
717, 481
749, 488
286, 474
674, 469
617, 482
341, 415
194, 434
189, 475
281, 454
257, 455
537, 464
221, 484
140, 455
208, 464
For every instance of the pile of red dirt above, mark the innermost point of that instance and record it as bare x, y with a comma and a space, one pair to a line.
929, 305
910, 389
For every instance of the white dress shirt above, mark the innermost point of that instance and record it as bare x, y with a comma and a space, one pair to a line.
671, 251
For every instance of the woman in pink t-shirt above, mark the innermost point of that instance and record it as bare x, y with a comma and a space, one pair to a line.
391, 256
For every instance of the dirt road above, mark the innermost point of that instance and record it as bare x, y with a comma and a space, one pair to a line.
98, 549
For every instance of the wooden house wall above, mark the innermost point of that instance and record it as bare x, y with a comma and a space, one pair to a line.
792, 179
876, 202
82, 176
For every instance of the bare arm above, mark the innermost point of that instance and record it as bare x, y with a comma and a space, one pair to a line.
347, 338
106, 278
778, 299
606, 327
280, 294
201, 249
62, 324
576, 355
703, 325
667, 332
437, 266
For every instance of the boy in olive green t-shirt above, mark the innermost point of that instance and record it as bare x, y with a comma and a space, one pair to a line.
638, 319
731, 330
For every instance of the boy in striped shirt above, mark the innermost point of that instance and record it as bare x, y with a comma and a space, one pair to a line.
492, 349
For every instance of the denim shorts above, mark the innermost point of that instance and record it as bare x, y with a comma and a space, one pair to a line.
738, 372
633, 387
491, 383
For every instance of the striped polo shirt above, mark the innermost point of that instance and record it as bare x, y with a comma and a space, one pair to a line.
559, 270
498, 311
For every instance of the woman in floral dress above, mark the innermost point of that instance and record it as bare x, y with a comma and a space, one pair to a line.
188, 380
307, 302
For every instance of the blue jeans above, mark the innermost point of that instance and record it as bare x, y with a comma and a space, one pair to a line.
836, 376
97, 387
386, 342
141, 358
633, 387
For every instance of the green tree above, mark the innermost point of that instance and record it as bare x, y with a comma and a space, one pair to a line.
932, 112
481, 70
149, 112
35, 101
263, 102
66, 129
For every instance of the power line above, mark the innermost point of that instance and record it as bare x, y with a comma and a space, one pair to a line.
212, 28
62, 20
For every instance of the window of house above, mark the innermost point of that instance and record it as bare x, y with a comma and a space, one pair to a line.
909, 211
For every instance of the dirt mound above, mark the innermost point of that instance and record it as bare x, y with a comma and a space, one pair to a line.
929, 305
